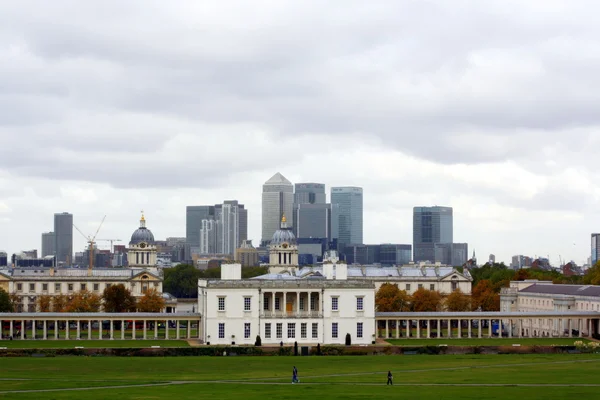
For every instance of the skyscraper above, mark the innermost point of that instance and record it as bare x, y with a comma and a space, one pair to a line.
48, 243
193, 222
595, 248
311, 211
431, 226
349, 202
309, 193
63, 237
277, 200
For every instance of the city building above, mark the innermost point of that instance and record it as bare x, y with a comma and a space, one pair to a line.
142, 249
349, 221
313, 221
595, 248
247, 255
222, 230
277, 201
309, 193
63, 234
3, 259
194, 215
520, 261
279, 307
431, 225
544, 296
48, 243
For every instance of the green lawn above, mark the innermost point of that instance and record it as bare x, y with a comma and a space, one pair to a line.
96, 344
359, 377
487, 342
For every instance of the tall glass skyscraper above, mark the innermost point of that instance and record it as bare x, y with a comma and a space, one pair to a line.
431, 226
595, 248
277, 200
63, 237
349, 214
194, 215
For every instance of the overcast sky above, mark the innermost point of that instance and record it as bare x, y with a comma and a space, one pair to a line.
491, 107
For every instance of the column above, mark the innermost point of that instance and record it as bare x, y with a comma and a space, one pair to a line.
579, 327
55, 329
122, 329
479, 328
408, 328
112, 329
418, 329
490, 328
570, 328
67, 330
155, 329
11, 327
459, 323
510, 328
189, 328
45, 329
177, 327
99, 329
273, 302
133, 329
520, 328
166, 329
387, 323
439, 328
33, 329
145, 322
297, 307
398, 325
428, 329
469, 322
449, 328
78, 329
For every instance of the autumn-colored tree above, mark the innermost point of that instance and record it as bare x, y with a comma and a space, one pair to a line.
59, 303
424, 300
151, 301
592, 275
521, 275
44, 303
458, 301
118, 298
84, 301
391, 299
484, 297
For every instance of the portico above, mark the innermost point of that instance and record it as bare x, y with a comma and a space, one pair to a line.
290, 304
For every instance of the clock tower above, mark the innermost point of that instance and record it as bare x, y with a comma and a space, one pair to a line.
142, 250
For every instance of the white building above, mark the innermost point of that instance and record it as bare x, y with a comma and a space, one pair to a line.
316, 308
544, 296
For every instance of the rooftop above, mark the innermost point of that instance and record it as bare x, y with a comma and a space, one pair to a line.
568, 290
293, 283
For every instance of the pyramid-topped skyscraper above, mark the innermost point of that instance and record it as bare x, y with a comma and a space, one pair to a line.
277, 201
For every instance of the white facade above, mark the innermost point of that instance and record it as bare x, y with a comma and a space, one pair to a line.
307, 311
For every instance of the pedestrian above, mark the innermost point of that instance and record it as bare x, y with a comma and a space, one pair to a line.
389, 381
295, 375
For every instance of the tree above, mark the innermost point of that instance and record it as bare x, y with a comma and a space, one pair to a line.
84, 301
391, 299
182, 281
6, 304
59, 303
458, 301
251, 272
424, 300
44, 303
484, 297
118, 298
151, 301
592, 275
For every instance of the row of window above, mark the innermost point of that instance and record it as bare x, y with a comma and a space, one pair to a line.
291, 330
71, 286
420, 286
334, 304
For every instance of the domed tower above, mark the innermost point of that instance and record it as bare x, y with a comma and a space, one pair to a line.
142, 250
283, 250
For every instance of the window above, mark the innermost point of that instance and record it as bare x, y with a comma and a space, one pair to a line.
420, 286
108, 285
19, 287
32, 287
432, 287
221, 330
279, 330
315, 330
265, 302
44, 287
301, 303
291, 331
359, 303
313, 302
96, 287
408, 287
246, 330
268, 331
70, 287
221, 303
277, 305
334, 330
303, 330
454, 285
57, 287
359, 330
83, 286
247, 303
334, 304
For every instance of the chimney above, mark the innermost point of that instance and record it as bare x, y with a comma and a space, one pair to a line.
51, 271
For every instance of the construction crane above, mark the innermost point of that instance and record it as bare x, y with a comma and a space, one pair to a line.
111, 243
91, 241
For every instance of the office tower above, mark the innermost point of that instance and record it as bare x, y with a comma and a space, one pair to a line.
395, 254
48, 243
277, 201
431, 226
63, 237
194, 216
246, 254
312, 221
595, 248
208, 237
309, 193
349, 201
228, 228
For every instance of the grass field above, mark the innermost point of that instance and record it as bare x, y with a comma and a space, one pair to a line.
487, 342
360, 377
93, 344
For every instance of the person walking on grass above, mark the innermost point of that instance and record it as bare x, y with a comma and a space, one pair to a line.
295, 375
390, 378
